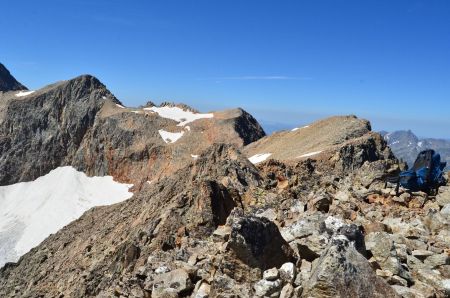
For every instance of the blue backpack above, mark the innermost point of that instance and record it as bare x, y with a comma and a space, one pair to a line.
426, 173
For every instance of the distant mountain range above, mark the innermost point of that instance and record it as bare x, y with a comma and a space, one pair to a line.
406, 145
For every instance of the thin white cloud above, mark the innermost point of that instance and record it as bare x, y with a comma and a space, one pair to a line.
256, 78
244, 78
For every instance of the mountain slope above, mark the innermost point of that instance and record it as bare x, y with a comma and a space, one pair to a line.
8, 82
80, 123
340, 140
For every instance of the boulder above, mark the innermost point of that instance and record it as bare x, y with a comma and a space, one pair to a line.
343, 272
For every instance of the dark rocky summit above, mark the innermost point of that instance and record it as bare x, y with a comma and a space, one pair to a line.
216, 225
8, 82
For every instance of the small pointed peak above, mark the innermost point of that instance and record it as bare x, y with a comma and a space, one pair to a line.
8, 82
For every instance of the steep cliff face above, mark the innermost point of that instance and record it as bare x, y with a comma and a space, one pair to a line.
44, 129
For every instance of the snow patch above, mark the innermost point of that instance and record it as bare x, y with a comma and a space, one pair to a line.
297, 128
24, 93
194, 156
310, 154
31, 211
120, 106
178, 114
170, 137
257, 158
420, 144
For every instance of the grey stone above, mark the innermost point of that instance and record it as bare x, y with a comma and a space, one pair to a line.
271, 274
344, 272
266, 287
178, 280
287, 272
437, 260
287, 291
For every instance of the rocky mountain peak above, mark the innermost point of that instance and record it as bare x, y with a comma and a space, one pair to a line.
8, 82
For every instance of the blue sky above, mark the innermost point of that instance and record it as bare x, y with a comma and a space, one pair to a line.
286, 62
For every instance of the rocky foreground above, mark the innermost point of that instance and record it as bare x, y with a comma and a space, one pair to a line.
315, 218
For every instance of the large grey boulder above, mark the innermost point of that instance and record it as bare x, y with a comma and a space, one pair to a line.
343, 272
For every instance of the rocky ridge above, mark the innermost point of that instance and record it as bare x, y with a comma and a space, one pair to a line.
319, 225
80, 123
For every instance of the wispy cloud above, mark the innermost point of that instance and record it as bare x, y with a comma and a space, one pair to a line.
256, 78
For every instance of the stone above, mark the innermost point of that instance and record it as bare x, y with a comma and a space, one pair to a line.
430, 277
266, 288
344, 272
287, 291
376, 227
406, 292
445, 211
287, 272
258, 243
202, 290
416, 202
178, 280
271, 274
446, 287
222, 233
443, 196
397, 280
380, 245
162, 269
270, 214
437, 260
384, 273
421, 253
320, 203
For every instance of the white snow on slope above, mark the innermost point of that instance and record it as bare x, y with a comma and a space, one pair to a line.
24, 93
170, 137
31, 211
257, 158
178, 114
297, 128
120, 106
310, 154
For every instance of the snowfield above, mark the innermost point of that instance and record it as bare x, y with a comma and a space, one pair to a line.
24, 93
170, 137
257, 158
310, 154
178, 114
31, 211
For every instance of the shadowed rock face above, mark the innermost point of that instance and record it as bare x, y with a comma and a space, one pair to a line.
8, 82
80, 123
